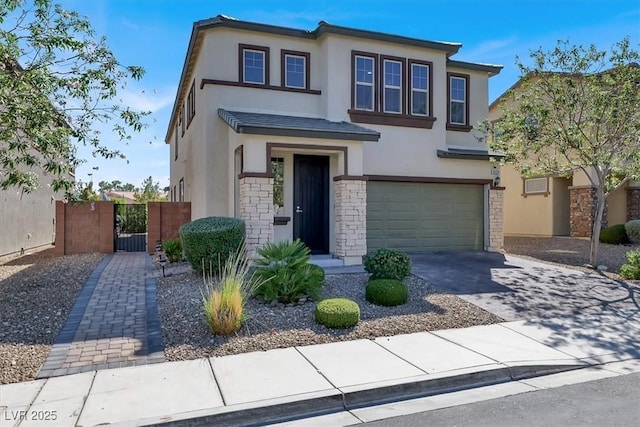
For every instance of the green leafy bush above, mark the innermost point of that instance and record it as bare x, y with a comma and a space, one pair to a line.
285, 274
173, 249
337, 313
208, 242
614, 235
387, 264
223, 300
631, 270
388, 292
633, 230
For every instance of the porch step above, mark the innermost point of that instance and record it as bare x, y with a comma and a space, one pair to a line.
326, 261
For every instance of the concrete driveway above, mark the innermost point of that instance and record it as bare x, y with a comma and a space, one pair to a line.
519, 289
601, 313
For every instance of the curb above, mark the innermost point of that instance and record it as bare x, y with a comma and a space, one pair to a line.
246, 415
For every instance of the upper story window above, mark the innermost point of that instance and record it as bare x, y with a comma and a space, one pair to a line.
364, 93
254, 64
420, 88
392, 94
181, 190
458, 102
295, 69
191, 103
175, 149
397, 102
181, 120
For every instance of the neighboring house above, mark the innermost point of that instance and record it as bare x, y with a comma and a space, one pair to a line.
348, 139
557, 206
127, 196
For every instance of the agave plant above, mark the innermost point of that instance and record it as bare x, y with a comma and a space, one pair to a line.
283, 272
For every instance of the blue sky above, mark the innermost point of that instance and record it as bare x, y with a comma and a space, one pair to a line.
155, 34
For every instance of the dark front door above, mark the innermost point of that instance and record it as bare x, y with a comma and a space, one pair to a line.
311, 202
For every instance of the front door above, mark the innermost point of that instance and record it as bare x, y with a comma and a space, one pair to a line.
311, 201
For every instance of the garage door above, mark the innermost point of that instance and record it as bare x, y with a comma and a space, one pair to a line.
419, 217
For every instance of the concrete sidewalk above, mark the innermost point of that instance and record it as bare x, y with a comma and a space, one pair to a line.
284, 384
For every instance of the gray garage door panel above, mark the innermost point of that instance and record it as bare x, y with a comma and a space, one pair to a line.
417, 217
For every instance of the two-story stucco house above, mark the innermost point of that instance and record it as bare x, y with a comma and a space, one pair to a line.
348, 139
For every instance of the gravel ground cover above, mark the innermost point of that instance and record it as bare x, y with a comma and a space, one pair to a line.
187, 337
567, 251
37, 293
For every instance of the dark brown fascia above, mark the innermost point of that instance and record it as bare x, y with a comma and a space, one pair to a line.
493, 70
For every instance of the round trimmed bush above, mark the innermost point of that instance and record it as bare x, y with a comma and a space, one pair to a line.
388, 292
208, 242
387, 264
614, 235
337, 313
633, 230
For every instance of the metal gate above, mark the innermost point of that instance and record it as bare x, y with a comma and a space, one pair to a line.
130, 228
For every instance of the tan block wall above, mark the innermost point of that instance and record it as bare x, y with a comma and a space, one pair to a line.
256, 209
496, 204
165, 220
351, 219
84, 227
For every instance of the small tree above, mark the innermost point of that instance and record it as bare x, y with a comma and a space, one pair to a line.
58, 83
149, 192
576, 109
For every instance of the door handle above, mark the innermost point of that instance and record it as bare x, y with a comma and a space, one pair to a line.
298, 210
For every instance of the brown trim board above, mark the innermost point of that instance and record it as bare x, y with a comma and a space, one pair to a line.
426, 179
390, 119
205, 82
272, 145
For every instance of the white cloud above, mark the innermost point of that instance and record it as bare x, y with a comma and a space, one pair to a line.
144, 100
491, 50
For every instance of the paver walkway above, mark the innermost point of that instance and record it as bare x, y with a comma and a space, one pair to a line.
114, 322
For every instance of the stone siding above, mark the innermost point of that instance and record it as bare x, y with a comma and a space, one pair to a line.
583, 211
633, 203
351, 220
496, 204
256, 209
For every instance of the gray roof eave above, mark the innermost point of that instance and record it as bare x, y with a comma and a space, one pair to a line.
468, 154
487, 68
305, 133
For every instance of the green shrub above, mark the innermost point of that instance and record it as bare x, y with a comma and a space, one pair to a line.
631, 270
614, 235
173, 249
388, 292
283, 272
387, 264
223, 300
633, 230
208, 242
337, 313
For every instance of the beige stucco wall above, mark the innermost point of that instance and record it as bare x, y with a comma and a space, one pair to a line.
617, 206
27, 219
524, 216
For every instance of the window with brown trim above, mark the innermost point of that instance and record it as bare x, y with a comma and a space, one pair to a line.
173, 195
181, 190
191, 103
175, 148
253, 63
393, 84
379, 93
458, 102
294, 69
420, 96
182, 121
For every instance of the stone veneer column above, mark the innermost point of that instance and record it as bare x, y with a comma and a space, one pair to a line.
256, 209
633, 203
583, 211
496, 203
351, 220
